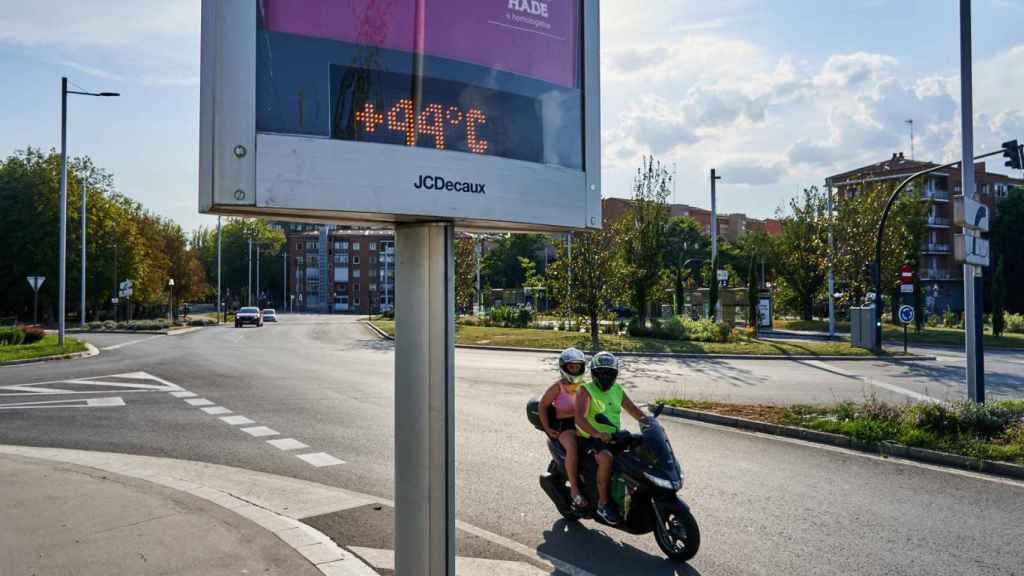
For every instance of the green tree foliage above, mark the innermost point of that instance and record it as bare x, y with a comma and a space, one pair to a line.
500, 267
235, 235
684, 241
752, 298
643, 234
145, 247
856, 228
465, 273
588, 280
803, 249
1007, 231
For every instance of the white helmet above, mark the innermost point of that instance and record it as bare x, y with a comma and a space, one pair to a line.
573, 365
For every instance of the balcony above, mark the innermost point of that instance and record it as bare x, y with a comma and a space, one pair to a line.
933, 248
936, 195
939, 222
930, 274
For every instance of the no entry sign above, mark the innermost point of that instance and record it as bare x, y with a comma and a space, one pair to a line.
906, 279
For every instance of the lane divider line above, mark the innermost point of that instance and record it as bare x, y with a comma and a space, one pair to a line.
184, 394
236, 420
319, 459
287, 444
198, 402
260, 431
215, 410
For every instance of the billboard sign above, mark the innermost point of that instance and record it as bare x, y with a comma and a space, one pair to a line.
480, 112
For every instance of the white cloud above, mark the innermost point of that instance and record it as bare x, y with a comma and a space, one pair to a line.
752, 172
853, 71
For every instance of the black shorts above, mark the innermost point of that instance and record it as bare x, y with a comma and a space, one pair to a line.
562, 424
593, 446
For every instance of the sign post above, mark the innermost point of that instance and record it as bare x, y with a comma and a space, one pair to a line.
417, 115
906, 317
36, 282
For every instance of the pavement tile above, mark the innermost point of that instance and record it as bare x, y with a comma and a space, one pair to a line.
321, 552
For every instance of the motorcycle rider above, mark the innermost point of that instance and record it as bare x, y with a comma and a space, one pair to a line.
602, 396
562, 395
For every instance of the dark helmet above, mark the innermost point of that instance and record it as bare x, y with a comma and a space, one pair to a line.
604, 368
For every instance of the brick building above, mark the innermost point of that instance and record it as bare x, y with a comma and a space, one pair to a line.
335, 269
941, 275
730, 226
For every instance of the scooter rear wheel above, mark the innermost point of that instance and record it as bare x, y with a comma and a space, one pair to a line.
676, 531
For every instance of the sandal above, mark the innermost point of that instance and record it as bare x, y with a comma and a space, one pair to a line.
579, 502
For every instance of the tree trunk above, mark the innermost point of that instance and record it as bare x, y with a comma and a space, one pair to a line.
808, 306
680, 295
641, 304
594, 327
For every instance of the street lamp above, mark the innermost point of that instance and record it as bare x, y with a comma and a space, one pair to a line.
170, 300
62, 251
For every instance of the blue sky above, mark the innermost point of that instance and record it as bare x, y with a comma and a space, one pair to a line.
776, 95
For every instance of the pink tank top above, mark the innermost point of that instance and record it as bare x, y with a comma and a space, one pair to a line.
565, 403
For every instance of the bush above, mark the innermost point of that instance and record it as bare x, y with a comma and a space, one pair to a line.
679, 328
33, 334
109, 325
202, 322
510, 317
11, 336
1015, 323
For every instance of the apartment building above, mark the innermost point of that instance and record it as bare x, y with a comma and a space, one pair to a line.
333, 269
941, 274
730, 226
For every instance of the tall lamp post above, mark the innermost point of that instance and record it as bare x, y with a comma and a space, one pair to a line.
170, 300
61, 297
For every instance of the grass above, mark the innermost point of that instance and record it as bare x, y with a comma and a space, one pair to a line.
993, 431
550, 339
45, 347
929, 335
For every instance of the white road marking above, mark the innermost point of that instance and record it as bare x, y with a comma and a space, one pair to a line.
130, 343
260, 431
949, 360
871, 381
320, 459
287, 444
66, 403
198, 402
184, 394
236, 420
215, 410
385, 560
116, 381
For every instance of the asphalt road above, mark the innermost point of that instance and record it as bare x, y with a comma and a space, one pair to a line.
765, 505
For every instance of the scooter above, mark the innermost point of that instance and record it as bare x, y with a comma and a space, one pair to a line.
645, 479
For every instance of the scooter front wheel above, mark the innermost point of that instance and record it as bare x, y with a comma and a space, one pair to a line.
676, 530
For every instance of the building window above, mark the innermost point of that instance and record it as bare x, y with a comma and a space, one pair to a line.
373, 287
341, 287
313, 245
355, 273
373, 246
355, 287
341, 257
373, 259
355, 301
355, 259
355, 246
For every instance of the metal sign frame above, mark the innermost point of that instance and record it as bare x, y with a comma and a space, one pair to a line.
292, 177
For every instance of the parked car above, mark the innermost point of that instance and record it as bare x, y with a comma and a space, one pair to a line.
248, 315
269, 315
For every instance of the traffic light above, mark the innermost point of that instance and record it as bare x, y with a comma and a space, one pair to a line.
1012, 153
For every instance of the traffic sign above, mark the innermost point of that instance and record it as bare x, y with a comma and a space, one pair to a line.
36, 282
971, 214
971, 249
906, 314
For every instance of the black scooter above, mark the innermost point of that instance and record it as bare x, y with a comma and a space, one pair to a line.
645, 479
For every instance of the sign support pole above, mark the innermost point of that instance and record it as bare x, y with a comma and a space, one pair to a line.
424, 408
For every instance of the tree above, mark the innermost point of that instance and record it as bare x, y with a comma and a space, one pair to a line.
998, 299
1007, 230
465, 273
684, 240
235, 235
588, 280
643, 234
500, 266
752, 294
802, 249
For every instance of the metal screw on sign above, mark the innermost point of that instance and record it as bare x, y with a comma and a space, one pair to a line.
239, 194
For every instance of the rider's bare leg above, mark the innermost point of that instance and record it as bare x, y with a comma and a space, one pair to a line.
604, 476
568, 440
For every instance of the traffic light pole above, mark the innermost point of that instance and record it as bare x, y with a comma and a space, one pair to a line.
972, 292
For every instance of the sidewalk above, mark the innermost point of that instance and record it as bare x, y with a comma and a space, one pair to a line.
65, 519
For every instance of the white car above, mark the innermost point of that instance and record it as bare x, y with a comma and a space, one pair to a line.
269, 315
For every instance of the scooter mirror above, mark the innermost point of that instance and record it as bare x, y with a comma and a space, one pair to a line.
658, 409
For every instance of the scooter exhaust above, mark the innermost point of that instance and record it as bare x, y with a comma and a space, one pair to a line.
557, 494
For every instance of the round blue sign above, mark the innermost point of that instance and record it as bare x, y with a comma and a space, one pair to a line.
906, 314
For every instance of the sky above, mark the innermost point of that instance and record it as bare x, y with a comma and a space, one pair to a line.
774, 95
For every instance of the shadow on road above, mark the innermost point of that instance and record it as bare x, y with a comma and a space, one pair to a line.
595, 552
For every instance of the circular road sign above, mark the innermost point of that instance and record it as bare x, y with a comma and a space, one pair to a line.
906, 314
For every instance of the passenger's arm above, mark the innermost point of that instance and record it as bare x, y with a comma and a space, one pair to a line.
582, 407
542, 410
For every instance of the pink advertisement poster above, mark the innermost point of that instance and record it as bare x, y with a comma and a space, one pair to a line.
536, 38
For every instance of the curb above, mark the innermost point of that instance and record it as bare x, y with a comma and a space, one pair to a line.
316, 547
777, 335
893, 449
89, 352
680, 355
175, 332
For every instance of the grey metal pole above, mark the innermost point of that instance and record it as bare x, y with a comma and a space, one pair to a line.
82, 190
714, 244
975, 371
257, 274
424, 419
248, 295
479, 248
218, 269
284, 277
831, 277
62, 252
